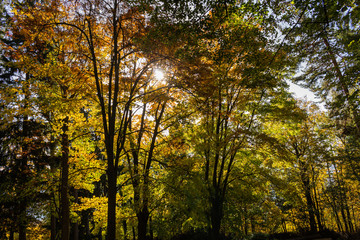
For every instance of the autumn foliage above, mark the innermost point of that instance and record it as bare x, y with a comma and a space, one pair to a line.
96, 144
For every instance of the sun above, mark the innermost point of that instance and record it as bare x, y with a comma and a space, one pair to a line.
158, 74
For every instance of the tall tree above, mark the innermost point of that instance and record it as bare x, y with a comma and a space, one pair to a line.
229, 74
303, 146
24, 138
105, 34
326, 40
143, 143
48, 60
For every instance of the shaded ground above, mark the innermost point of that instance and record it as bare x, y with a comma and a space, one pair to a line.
324, 235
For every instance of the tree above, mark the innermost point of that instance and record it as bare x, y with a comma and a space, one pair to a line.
24, 142
143, 132
228, 80
304, 145
23, 156
326, 41
47, 59
102, 49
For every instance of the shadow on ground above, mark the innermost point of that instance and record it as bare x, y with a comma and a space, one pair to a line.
324, 235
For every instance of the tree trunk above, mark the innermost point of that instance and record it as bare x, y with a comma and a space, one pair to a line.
343, 85
26, 148
307, 191
151, 229
317, 212
335, 212
22, 221
85, 220
351, 227
310, 208
111, 228
65, 210
216, 216
283, 224
252, 224
125, 229
246, 231
331, 200
344, 218
54, 190
342, 198
53, 226
76, 224
143, 217
99, 235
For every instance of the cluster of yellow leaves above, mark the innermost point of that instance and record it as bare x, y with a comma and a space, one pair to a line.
36, 231
99, 207
85, 169
98, 204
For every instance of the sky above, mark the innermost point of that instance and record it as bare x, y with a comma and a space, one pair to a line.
302, 93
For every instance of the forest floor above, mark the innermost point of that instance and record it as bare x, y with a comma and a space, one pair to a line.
325, 235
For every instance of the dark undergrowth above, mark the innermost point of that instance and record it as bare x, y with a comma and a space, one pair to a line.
326, 234
198, 235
